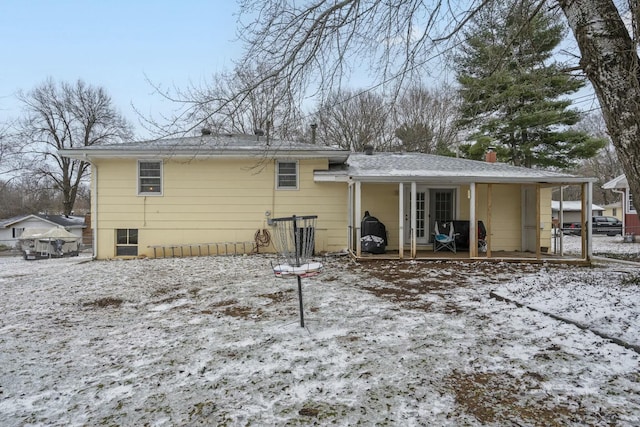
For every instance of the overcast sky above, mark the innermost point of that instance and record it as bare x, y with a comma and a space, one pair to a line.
115, 44
119, 44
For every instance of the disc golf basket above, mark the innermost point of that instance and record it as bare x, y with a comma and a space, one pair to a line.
294, 240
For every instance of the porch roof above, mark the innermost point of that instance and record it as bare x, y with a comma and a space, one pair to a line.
616, 183
419, 167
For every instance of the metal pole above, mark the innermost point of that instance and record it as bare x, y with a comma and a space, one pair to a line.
300, 299
295, 242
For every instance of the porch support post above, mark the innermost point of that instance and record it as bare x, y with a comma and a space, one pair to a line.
561, 220
473, 222
350, 247
401, 220
358, 215
487, 238
538, 223
589, 189
584, 225
414, 222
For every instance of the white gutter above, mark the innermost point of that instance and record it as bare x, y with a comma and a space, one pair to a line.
464, 179
334, 156
623, 206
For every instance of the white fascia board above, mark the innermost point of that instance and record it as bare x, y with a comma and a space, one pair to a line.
88, 155
323, 177
476, 179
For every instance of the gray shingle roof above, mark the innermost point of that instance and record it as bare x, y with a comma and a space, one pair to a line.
210, 145
428, 166
67, 221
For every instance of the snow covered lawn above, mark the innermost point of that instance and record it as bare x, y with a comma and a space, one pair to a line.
217, 341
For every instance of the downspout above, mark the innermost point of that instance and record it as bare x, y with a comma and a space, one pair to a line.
94, 209
623, 207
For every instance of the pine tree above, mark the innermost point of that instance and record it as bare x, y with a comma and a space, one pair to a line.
512, 91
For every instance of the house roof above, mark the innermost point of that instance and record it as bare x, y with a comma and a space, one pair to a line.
572, 206
397, 167
66, 221
219, 146
617, 182
378, 167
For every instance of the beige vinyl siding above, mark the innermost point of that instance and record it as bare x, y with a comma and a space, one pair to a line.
506, 214
506, 217
546, 218
207, 201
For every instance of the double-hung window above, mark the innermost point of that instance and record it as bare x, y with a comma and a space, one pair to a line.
630, 207
149, 178
287, 175
127, 242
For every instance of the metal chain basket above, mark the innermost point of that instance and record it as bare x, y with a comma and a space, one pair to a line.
294, 240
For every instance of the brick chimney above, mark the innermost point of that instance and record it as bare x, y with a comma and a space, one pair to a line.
491, 156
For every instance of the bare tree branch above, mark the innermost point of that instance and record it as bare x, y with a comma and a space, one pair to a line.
61, 116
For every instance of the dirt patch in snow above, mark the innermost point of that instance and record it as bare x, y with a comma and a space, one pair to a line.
502, 398
104, 302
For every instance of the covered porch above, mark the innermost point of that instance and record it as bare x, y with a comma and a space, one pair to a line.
516, 216
410, 193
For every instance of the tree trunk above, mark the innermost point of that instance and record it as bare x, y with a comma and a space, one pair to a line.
610, 60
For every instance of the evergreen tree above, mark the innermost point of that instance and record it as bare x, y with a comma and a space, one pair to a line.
512, 90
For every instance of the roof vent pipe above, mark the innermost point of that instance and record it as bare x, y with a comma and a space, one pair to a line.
314, 127
368, 149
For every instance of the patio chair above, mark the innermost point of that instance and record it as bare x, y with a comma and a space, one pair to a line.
444, 240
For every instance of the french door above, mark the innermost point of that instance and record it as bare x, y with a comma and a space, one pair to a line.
432, 204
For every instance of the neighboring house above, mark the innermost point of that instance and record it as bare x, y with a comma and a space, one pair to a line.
209, 188
572, 211
12, 228
630, 220
614, 209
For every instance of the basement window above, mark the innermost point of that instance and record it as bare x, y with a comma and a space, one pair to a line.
287, 175
149, 178
127, 242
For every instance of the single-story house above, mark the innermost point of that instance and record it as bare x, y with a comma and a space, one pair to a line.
151, 197
614, 209
630, 220
572, 210
11, 228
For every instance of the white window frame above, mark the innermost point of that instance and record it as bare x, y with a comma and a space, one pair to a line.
139, 180
630, 208
297, 173
128, 244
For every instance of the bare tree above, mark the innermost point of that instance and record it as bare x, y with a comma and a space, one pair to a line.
269, 107
610, 60
605, 165
60, 116
425, 119
22, 195
10, 155
353, 120
321, 41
